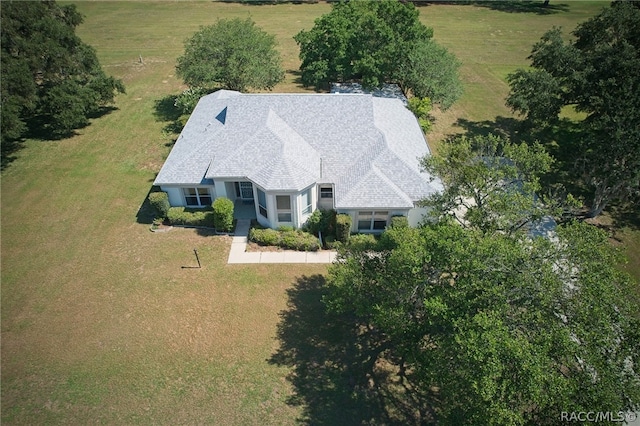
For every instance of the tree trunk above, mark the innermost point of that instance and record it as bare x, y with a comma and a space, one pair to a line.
596, 210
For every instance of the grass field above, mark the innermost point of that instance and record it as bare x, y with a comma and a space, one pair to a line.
100, 322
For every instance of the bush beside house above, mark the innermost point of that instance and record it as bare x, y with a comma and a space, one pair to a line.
399, 222
223, 214
343, 227
160, 203
287, 239
191, 217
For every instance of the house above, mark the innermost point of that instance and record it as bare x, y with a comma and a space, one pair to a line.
285, 155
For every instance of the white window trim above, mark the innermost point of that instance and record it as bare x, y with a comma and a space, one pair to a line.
260, 206
197, 195
308, 208
288, 211
325, 188
372, 221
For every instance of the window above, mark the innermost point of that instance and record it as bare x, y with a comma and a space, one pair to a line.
306, 202
283, 204
262, 203
197, 197
372, 221
326, 192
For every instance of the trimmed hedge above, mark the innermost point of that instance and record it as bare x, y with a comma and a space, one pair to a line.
363, 242
287, 239
191, 217
399, 222
160, 202
223, 214
343, 227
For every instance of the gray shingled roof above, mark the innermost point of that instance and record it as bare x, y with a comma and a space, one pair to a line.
367, 146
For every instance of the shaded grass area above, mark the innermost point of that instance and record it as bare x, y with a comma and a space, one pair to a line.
99, 321
339, 372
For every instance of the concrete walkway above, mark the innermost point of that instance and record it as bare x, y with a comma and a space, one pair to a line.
238, 253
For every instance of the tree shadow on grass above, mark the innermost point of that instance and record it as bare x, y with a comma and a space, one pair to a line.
339, 372
146, 213
538, 7
39, 128
166, 111
8, 151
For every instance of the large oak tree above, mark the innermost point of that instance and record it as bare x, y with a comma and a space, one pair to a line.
378, 42
484, 323
51, 80
597, 73
232, 54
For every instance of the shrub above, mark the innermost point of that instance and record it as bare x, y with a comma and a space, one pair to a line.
321, 221
399, 222
331, 243
421, 107
287, 239
190, 217
160, 202
223, 214
363, 242
299, 240
343, 227
265, 237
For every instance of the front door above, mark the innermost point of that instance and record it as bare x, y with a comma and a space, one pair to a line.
246, 190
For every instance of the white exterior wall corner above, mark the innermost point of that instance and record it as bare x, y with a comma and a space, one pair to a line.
417, 215
175, 195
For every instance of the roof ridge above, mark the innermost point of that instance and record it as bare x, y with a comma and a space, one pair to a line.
389, 182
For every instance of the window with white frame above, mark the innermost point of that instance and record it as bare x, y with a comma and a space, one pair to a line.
306, 202
283, 205
197, 197
262, 203
372, 220
326, 192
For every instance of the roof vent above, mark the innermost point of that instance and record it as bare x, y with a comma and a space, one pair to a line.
222, 117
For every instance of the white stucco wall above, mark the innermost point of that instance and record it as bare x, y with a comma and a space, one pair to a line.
416, 216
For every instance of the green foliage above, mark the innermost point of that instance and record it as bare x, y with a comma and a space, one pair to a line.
160, 203
421, 107
188, 99
362, 242
343, 227
231, 54
431, 71
287, 238
399, 222
51, 80
488, 328
490, 183
321, 221
223, 214
191, 217
266, 237
597, 74
378, 42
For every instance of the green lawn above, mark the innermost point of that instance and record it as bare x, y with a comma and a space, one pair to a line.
100, 322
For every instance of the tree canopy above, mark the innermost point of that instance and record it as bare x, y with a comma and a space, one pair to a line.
376, 43
597, 73
51, 80
482, 322
488, 328
492, 184
231, 54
